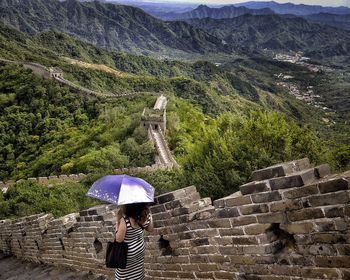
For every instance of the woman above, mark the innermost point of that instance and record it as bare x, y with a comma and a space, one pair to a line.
130, 229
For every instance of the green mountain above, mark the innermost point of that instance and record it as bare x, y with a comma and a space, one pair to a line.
251, 32
110, 26
222, 122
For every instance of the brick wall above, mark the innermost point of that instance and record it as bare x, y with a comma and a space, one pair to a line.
291, 221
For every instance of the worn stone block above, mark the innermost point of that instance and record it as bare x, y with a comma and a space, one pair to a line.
254, 187
292, 181
237, 201
226, 212
253, 209
322, 171
222, 223
271, 218
268, 173
301, 191
334, 211
266, 197
329, 199
231, 231
339, 262
243, 260
286, 205
256, 229
319, 273
333, 185
298, 228
305, 214
331, 238
240, 221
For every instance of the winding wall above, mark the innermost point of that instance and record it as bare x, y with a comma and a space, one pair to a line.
290, 222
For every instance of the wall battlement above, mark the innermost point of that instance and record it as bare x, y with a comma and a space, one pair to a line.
291, 221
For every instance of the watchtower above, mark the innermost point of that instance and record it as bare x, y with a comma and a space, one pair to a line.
55, 72
155, 117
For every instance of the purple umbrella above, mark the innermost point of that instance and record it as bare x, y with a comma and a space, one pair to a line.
122, 189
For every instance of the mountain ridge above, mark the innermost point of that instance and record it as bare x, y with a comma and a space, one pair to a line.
203, 11
111, 26
296, 9
277, 33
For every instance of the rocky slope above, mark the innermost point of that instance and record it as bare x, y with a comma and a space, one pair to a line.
273, 32
111, 26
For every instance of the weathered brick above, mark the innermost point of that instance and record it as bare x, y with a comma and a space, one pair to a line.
305, 214
256, 229
222, 223
331, 238
263, 249
244, 260
207, 266
329, 199
285, 270
322, 250
319, 273
293, 181
253, 209
334, 211
347, 210
226, 212
339, 262
223, 275
200, 242
158, 209
204, 275
241, 221
343, 249
271, 218
237, 201
218, 258
298, 228
322, 170
231, 231
268, 173
286, 205
266, 197
301, 192
254, 187
333, 185
245, 240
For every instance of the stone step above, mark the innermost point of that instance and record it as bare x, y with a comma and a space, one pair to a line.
280, 170
291, 181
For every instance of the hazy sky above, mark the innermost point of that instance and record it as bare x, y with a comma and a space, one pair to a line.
308, 2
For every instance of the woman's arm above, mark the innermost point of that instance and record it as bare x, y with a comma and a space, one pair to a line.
150, 225
121, 231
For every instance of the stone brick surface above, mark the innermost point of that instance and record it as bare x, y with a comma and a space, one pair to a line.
292, 222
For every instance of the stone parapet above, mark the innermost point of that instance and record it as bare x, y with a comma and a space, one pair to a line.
290, 223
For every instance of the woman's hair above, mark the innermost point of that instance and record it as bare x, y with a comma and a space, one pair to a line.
137, 211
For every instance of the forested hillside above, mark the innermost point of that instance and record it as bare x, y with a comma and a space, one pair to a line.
223, 122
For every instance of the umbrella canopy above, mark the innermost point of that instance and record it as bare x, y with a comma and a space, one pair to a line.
122, 189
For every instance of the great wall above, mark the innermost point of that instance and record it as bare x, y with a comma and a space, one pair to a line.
153, 120
291, 221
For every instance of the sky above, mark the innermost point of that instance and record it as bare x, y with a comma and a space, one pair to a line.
307, 2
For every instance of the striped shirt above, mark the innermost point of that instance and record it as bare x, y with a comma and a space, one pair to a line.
134, 237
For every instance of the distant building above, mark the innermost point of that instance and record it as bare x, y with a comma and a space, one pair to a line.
55, 72
155, 117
